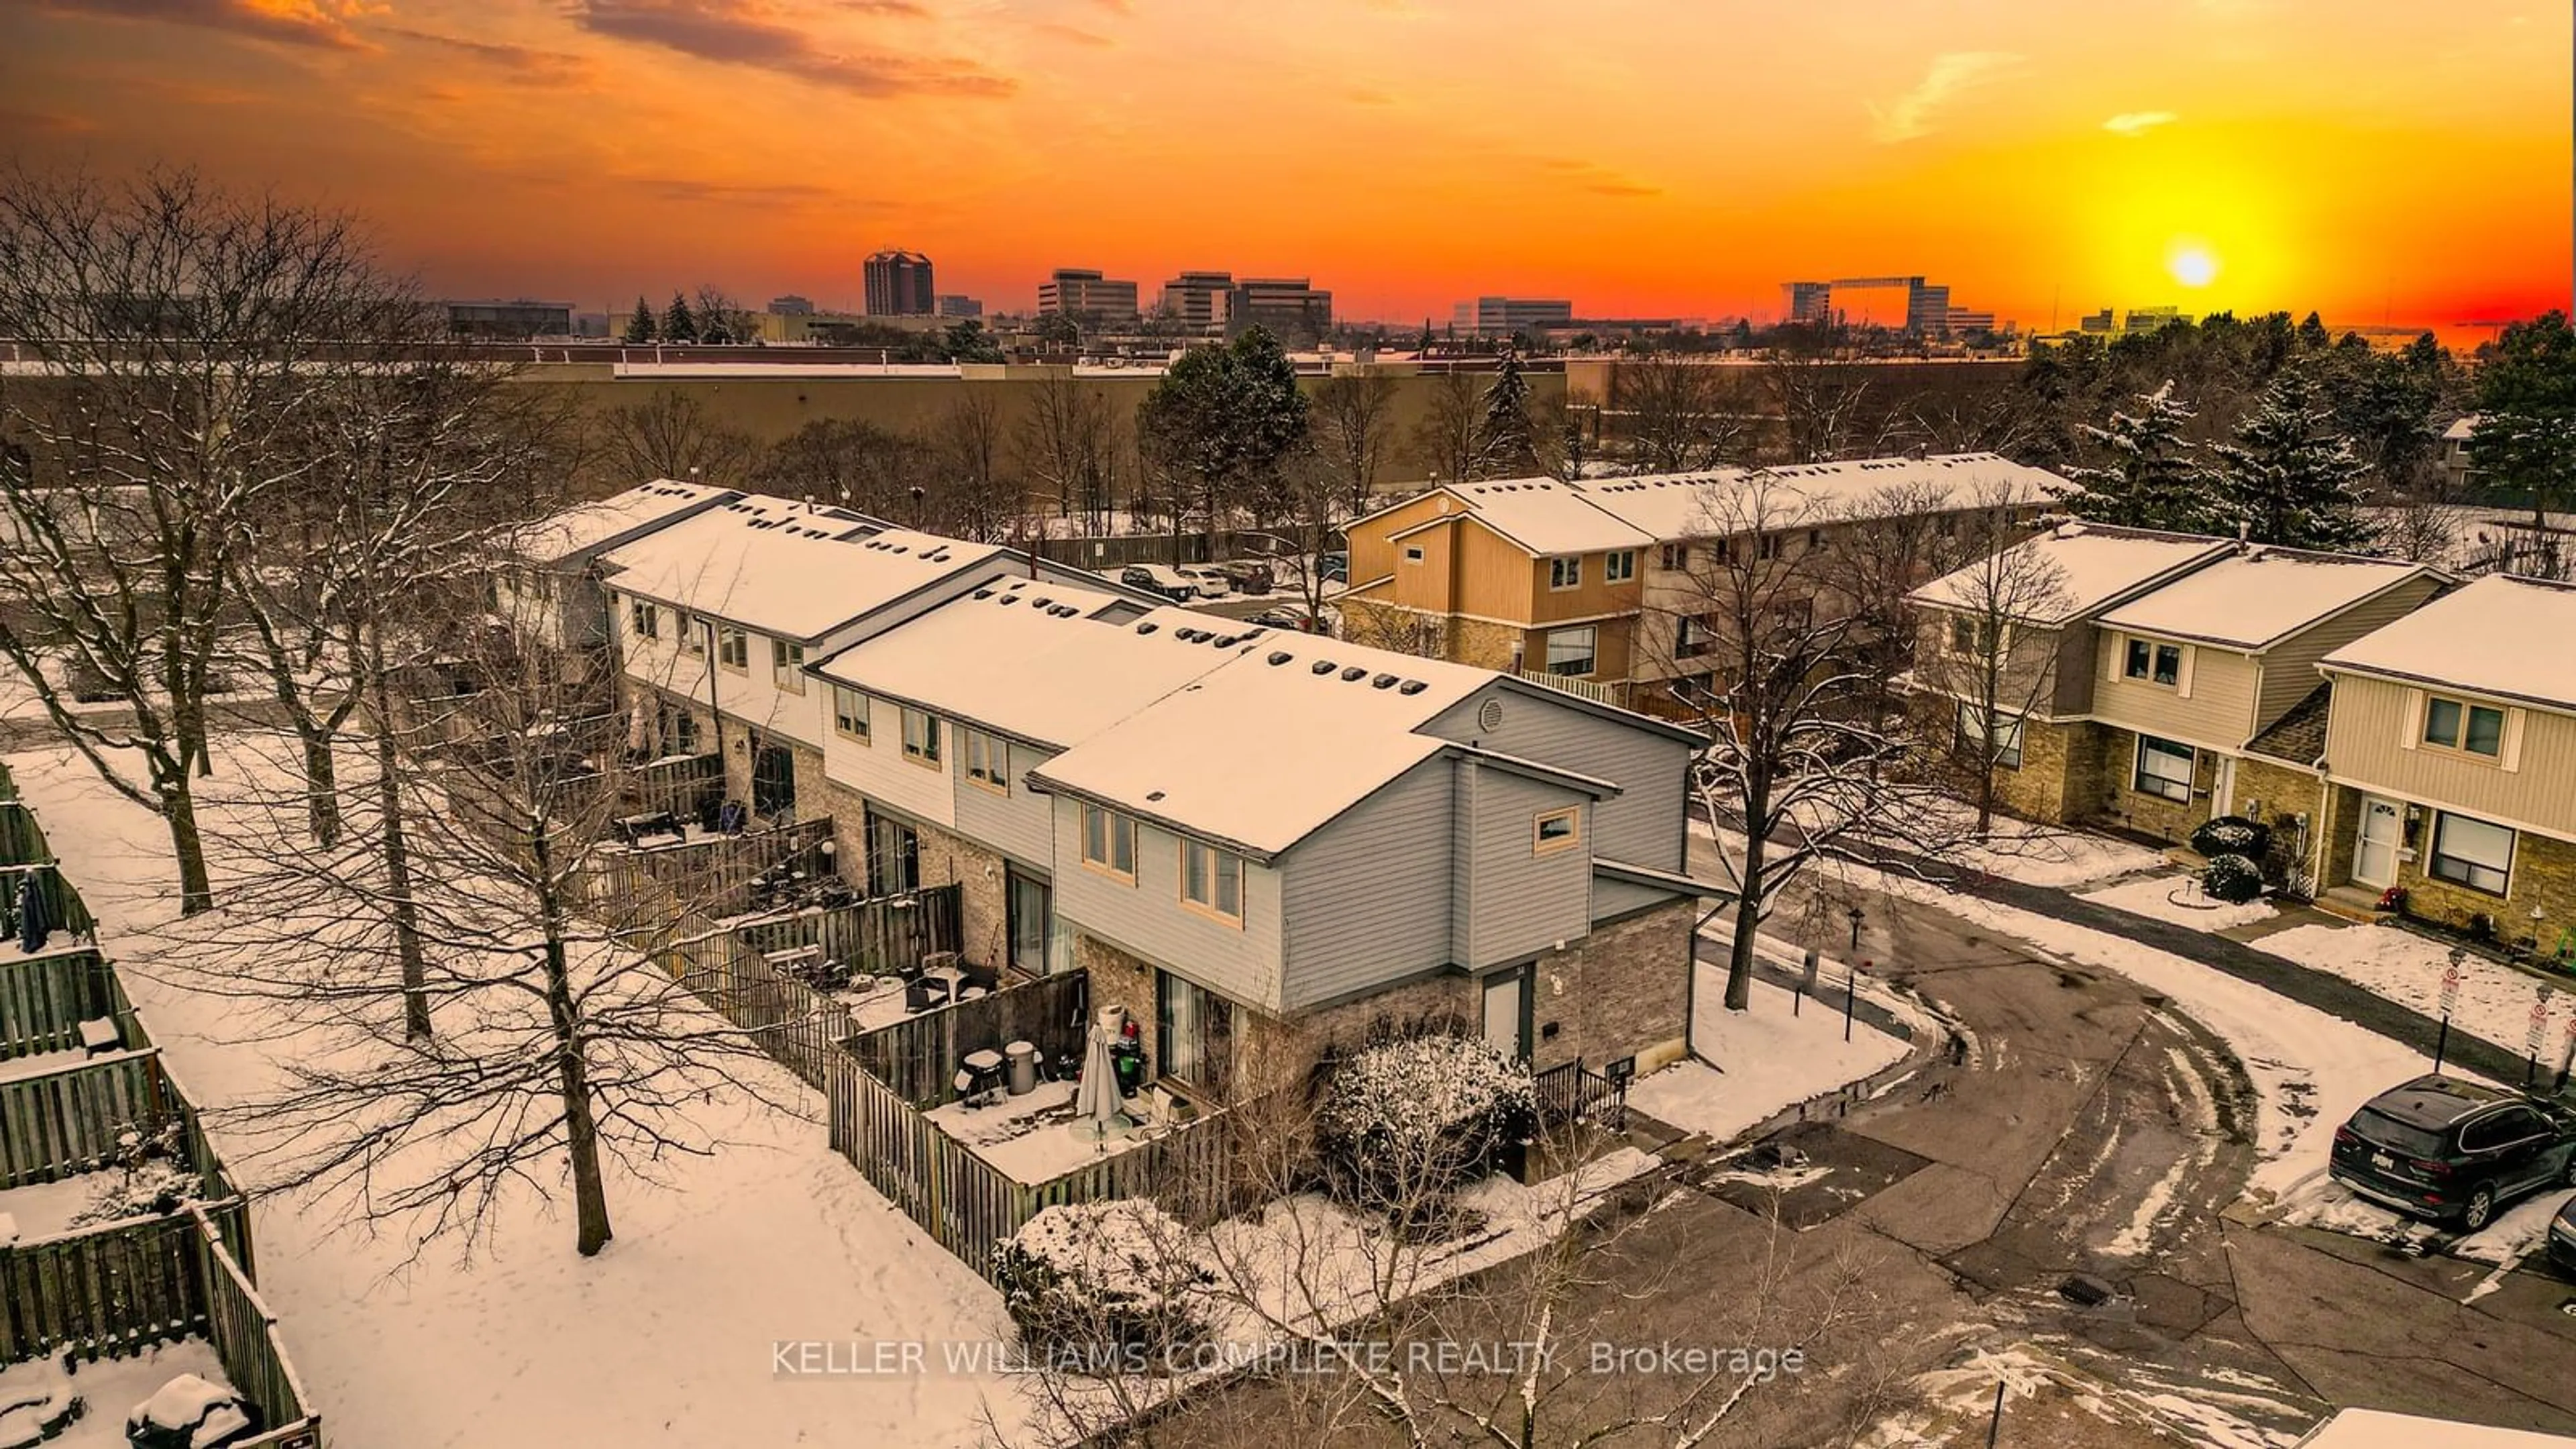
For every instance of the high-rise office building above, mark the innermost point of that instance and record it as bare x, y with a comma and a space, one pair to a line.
1196, 300
1081, 292
1927, 309
1810, 302
1285, 305
1503, 316
953, 305
792, 305
898, 285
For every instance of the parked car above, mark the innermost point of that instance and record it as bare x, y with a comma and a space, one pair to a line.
1159, 579
1250, 576
1334, 567
1211, 581
1292, 616
2438, 1147
2562, 1238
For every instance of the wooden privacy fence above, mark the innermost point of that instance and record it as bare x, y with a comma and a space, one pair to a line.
685, 785
67, 1121
917, 1058
244, 1333
65, 911
707, 874
22, 840
875, 937
44, 999
791, 1021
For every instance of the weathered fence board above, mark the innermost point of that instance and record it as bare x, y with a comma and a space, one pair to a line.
872, 937
244, 1334
917, 1058
67, 1121
44, 999
22, 840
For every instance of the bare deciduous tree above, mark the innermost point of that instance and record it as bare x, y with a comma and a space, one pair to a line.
1672, 414
1352, 417
1451, 440
976, 495
1987, 655
671, 435
850, 463
1067, 442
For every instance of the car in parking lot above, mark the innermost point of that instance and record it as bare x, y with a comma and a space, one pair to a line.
1292, 616
1212, 582
2438, 1147
1250, 575
2562, 1238
1333, 567
1159, 579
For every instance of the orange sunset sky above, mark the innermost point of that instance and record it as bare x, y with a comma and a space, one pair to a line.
2366, 158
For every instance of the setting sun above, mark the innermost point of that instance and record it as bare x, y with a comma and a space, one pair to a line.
2192, 265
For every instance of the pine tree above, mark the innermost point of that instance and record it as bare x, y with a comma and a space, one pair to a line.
679, 324
2151, 479
2525, 439
2288, 479
640, 328
1509, 451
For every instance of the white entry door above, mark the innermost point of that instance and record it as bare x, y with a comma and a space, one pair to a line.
2374, 855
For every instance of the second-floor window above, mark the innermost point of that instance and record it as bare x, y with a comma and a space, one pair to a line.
693, 639
1109, 841
644, 620
1556, 830
1212, 881
988, 760
921, 738
1971, 635
1676, 557
2153, 662
850, 714
733, 647
787, 666
2457, 725
1692, 637
1619, 567
1571, 651
1565, 573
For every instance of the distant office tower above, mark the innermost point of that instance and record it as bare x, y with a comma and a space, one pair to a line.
1080, 292
2151, 319
899, 285
953, 305
2095, 322
512, 321
792, 305
1285, 305
1196, 300
1503, 316
1810, 302
1962, 321
1927, 309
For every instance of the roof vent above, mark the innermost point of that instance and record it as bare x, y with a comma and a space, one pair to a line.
1147, 628
1279, 657
1323, 666
1489, 716
1040, 602
1411, 686
1153, 795
1010, 598
1383, 681
1354, 672
2070, 530
1225, 641
983, 593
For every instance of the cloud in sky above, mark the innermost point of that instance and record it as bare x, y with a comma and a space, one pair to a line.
319, 23
1950, 75
730, 32
1075, 34
2138, 123
525, 62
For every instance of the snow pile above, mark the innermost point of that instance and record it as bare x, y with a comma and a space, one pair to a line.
2181, 900
2495, 1000
1118, 1274
188, 1413
36, 1401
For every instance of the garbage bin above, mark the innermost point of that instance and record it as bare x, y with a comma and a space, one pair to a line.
1023, 1059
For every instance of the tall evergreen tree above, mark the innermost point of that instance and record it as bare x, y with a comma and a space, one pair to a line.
679, 324
2150, 478
1509, 449
2526, 431
640, 327
2289, 478
1222, 422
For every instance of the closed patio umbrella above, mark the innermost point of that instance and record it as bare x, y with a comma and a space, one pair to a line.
1096, 1111
33, 927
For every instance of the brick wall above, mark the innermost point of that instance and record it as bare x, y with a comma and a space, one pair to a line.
1618, 992
2543, 875
2274, 793
2038, 790
2121, 803
983, 892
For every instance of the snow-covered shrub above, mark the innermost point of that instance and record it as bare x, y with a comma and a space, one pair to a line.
2231, 835
151, 1189
2232, 878
1403, 1123
1090, 1280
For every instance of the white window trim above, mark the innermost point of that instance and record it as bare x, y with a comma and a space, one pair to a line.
735, 640
2138, 770
1619, 566
1564, 573
988, 760
1549, 637
1114, 825
693, 639
643, 619
929, 755
787, 666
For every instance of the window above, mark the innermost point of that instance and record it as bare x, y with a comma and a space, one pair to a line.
2004, 747
1570, 651
1413, 553
2158, 663
1565, 573
2454, 725
1721, 550
1767, 546
1195, 1039
644, 620
1676, 557
679, 732
988, 760
1618, 568
787, 666
1815, 538
2164, 768
850, 714
2472, 853
1555, 830
1692, 637
1972, 635
1109, 841
692, 641
1212, 881
733, 648
921, 738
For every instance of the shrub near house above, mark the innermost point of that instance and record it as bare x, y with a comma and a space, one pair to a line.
1404, 1124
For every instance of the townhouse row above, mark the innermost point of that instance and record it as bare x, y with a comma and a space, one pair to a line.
1253, 841
2398, 729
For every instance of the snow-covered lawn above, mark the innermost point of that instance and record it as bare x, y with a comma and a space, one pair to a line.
112, 1388
2178, 898
2053, 855
666, 1337
1767, 1059
2495, 1000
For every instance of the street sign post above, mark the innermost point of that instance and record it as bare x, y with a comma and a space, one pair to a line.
2532, 1039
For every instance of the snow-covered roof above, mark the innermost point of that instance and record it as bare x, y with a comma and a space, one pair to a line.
2095, 565
1263, 751
2463, 430
1691, 505
576, 532
2501, 635
2258, 595
1545, 516
1027, 658
784, 568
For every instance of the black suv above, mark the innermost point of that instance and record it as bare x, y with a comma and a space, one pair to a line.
2440, 1148
2562, 1238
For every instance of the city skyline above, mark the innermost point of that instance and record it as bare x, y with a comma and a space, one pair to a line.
2232, 155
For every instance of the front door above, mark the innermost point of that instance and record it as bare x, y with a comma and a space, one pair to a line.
2374, 855
1507, 1011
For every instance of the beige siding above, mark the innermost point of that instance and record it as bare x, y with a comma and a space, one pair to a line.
2290, 666
2364, 747
2218, 712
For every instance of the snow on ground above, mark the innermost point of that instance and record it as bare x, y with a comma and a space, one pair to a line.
112, 1387
2495, 1000
1033, 1138
1766, 1059
2046, 1395
45, 1209
666, 1337
2034, 854
2178, 898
